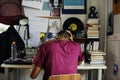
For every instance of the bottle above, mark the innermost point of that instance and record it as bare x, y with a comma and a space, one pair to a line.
13, 50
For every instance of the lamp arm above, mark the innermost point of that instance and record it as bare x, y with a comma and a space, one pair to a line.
28, 34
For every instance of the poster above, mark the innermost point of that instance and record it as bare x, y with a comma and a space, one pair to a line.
71, 4
74, 7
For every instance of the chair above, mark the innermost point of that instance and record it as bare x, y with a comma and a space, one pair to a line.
76, 76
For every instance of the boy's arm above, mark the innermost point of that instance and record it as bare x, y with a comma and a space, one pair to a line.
34, 71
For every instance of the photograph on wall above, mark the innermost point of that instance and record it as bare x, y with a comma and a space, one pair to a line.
116, 7
56, 3
74, 7
55, 12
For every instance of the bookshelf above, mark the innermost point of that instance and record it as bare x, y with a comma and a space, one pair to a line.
82, 42
90, 45
93, 54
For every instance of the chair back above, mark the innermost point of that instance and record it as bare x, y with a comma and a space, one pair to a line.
76, 76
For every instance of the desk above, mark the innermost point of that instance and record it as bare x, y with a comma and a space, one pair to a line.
99, 67
8, 66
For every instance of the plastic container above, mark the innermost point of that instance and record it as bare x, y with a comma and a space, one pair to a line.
13, 50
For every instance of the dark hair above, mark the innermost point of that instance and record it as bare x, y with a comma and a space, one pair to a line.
64, 33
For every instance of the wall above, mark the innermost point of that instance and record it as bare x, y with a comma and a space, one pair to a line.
101, 8
100, 5
113, 48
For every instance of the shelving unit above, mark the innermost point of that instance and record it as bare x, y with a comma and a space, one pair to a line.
87, 42
82, 42
91, 44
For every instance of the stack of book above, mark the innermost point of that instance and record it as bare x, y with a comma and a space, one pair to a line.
93, 26
97, 57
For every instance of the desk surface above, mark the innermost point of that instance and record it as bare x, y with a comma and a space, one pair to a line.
15, 66
82, 66
92, 66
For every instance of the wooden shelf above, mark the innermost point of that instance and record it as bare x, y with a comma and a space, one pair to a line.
80, 40
87, 42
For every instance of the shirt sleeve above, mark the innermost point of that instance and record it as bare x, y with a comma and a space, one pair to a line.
40, 56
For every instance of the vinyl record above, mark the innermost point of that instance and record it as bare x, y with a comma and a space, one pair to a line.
73, 24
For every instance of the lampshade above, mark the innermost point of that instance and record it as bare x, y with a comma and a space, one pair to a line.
23, 21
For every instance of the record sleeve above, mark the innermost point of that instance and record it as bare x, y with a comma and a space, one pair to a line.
73, 24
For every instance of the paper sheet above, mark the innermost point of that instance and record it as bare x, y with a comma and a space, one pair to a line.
54, 25
37, 25
33, 4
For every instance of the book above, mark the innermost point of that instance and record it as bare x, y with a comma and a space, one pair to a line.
92, 36
93, 25
93, 21
97, 57
82, 46
92, 32
97, 62
96, 52
96, 45
89, 46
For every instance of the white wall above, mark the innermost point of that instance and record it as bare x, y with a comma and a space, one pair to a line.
112, 54
117, 23
100, 6
36, 12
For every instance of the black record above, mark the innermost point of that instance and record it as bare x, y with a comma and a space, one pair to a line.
73, 24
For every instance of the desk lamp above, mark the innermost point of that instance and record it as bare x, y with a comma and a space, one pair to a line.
24, 22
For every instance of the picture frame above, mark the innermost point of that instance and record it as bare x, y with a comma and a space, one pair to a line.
74, 7
55, 12
116, 6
